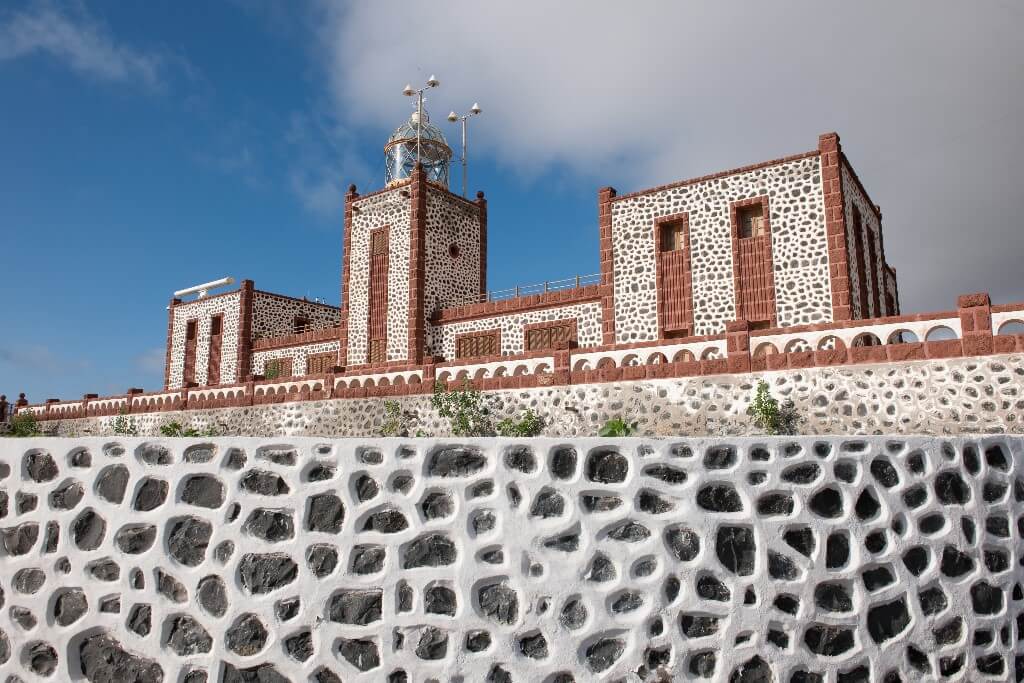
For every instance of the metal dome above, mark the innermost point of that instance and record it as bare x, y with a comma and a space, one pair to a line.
400, 155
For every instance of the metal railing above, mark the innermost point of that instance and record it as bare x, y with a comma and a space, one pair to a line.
527, 290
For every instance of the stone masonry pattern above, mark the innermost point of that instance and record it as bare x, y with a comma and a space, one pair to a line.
452, 258
799, 248
274, 315
809, 560
203, 310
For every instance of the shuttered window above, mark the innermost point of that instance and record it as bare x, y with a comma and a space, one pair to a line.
378, 351
549, 336
319, 363
751, 221
476, 345
277, 368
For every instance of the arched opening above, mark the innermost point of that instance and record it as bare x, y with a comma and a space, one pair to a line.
903, 337
795, 345
1011, 327
657, 358
866, 339
940, 333
629, 360
710, 353
581, 365
542, 369
765, 349
605, 363
831, 343
683, 356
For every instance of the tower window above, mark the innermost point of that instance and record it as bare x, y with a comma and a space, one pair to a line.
479, 344
378, 351
300, 324
751, 221
319, 363
550, 336
672, 236
378, 241
215, 324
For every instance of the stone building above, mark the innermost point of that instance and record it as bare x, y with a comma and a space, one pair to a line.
792, 241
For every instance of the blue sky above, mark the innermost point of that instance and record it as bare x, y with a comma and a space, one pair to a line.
145, 147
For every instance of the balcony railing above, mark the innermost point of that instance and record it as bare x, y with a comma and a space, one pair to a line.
528, 290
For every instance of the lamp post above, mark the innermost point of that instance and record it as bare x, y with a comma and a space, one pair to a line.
453, 117
409, 91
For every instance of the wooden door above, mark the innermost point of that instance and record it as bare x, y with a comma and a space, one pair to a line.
675, 295
753, 277
216, 335
378, 323
191, 330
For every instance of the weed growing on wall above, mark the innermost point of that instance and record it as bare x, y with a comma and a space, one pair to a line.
529, 423
174, 429
24, 424
772, 417
124, 425
464, 408
397, 422
618, 426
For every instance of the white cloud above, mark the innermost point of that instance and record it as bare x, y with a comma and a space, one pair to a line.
152, 361
923, 92
70, 34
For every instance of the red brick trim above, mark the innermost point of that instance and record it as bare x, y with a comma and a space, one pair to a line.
835, 226
523, 304
739, 285
856, 179
417, 265
301, 300
571, 322
495, 332
346, 249
319, 335
605, 197
482, 208
170, 339
243, 353
720, 174
684, 218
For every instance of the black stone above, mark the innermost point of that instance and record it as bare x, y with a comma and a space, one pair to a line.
87, 530
996, 561
67, 495
483, 521
754, 670
574, 614
650, 502
322, 559
140, 620
666, 473
29, 581
40, 467
262, 573
499, 602
534, 646
875, 542
951, 489
246, 636
70, 606
781, 567
440, 600
18, 540
915, 496
720, 457
672, 588
604, 652
606, 466
950, 632
719, 498
932, 601
629, 531
878, 577
265, 673
789, 604
270, 525
224, 551
366, 488
170, 587
955, 563
548, 503
429, 550
437, 505
601, 569
188, 637
432, 645
325, 513
698, 625
829, 641
626, 601
212, 596
932, 524
986, 598
299, 646
846, 470
563, 462
369, 456
775, 504
279, 455
207, 491
264, 483
154, 454
736, 549
455, 461
402, 483
867, 505
594, 503
478, 641
996, 457
521, 458
710, 588
151, 494
884, 473
188, 539
358, 607
804, 473
998, 525
321, 471
111, 483
103, 659
801, 539
827, 503
833, 597
41, 658
916, 560
362, 654
288, 608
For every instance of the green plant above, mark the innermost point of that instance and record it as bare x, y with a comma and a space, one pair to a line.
772, 417
396, 420
464, 408
174, 429
271, 370
124, 425
617, 426
24, 424
528, 424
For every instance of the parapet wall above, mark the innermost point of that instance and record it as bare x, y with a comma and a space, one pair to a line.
952, 396
837, 559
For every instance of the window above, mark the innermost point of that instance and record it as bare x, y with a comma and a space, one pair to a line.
476, 345
751, 221
190, 330
672, 236
550, 336
215, 324
378, 351
378, 241
319, 363
300, 324
275, 368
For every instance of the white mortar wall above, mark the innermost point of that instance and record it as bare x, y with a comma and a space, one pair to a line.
590, 559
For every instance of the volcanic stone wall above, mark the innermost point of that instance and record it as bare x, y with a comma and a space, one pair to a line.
807, 560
